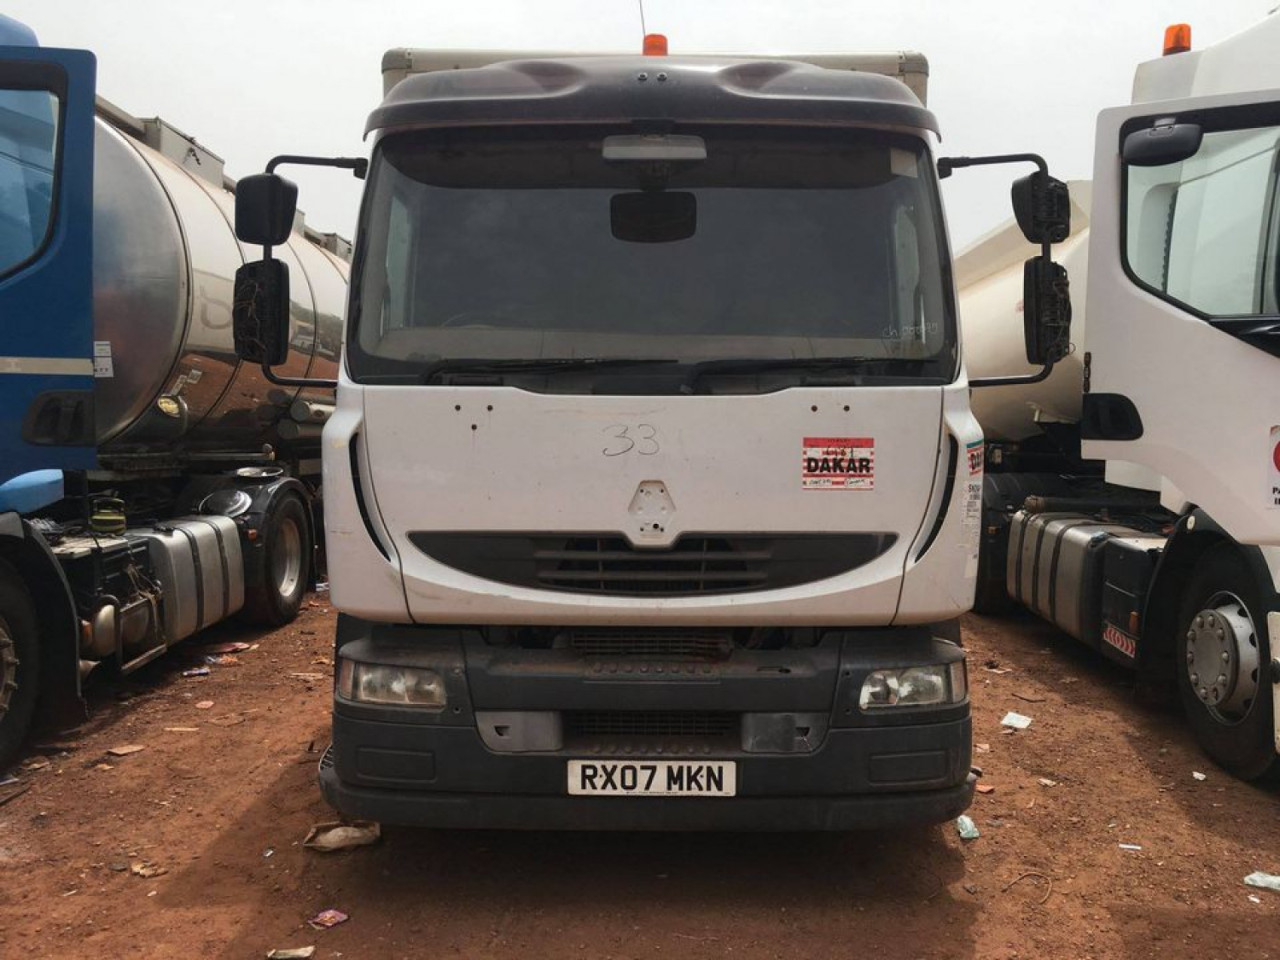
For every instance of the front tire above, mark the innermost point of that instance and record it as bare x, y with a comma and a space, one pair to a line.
273, 595
1224, 664
19, 663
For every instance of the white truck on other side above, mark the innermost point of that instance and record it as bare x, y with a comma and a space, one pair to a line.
1133, 498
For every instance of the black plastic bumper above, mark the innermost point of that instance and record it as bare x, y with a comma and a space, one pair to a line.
499, 812
851, 768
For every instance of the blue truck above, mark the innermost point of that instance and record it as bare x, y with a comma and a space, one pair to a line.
150, 483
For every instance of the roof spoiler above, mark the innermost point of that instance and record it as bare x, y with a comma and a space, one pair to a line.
908, 66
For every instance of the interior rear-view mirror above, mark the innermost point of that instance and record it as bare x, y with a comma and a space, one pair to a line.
653, 216
1046, 310
1042, 207
265, 206
260, 312
1166, 142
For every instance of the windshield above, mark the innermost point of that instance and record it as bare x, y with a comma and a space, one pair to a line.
541, 245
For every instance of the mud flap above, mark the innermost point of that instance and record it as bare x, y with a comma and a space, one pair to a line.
1273, 643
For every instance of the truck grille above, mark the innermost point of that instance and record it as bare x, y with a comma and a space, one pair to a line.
701, 646
696, 564
667, 724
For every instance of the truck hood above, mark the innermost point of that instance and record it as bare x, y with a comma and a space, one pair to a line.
793, 507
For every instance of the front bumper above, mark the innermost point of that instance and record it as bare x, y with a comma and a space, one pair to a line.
492, 811
850, 771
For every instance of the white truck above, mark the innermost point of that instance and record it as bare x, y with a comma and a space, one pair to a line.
1133, 498
652, 488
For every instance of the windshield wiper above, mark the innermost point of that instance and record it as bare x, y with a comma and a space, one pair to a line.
732, 365
532, 365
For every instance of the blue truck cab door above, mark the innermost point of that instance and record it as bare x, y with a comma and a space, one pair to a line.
46, 256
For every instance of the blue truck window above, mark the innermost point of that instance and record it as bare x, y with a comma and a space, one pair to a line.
28, 164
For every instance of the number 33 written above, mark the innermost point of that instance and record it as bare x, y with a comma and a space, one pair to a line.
641, 438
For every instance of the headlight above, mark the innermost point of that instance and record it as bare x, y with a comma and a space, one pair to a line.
914, 686
402, 686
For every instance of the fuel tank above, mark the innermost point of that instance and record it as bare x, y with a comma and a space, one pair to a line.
164, 260
989, 285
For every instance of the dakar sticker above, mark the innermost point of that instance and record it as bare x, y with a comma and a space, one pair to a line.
838, 463
974, 452
1273, 469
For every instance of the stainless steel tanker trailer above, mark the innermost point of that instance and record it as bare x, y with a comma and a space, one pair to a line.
155, 485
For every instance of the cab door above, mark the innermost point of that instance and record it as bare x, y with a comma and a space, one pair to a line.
1182, 348
46, 281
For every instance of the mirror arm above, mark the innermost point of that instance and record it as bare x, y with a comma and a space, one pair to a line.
1037, 377
357, 165
947, 164
314, 382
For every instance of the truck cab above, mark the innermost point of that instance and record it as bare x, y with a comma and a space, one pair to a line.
651, 488
1140, 510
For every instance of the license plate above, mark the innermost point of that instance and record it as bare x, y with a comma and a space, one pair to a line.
653, 778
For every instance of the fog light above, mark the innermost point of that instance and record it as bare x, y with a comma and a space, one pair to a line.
914, 686
400, 686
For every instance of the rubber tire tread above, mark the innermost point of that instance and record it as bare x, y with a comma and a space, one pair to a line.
19, 612
263, 604
1246, 749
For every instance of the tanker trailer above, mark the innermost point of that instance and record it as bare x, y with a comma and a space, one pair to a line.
151, 484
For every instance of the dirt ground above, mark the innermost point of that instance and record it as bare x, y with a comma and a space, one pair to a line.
220, 798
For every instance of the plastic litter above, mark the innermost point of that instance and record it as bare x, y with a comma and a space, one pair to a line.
292, 953
234, 647
204, 705
147, 869
8, 781
986, 788
967, 829
197, 672
1266, 881
223, 660
329, 837
1130, 846
327, 918
1196, 774
1253, 899
1046, 782
1015, 721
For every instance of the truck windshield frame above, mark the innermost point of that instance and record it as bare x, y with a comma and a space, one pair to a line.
486, 246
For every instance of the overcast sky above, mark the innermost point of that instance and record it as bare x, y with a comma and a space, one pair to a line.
253, 79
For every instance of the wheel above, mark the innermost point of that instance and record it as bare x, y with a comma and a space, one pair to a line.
273, 595
1224, 664
19, 663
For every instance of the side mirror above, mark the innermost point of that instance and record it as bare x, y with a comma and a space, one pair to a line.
653, 216
1166, 142
1042, 207
265, 207
260, 312
1046, 310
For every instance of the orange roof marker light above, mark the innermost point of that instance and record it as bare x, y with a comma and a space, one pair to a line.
1177, 38
655, 45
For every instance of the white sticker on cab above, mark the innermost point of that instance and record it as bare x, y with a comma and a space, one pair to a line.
838, 463
1273, 469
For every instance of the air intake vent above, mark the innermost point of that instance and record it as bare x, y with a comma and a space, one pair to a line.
701, 646
667, 724
696, 564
